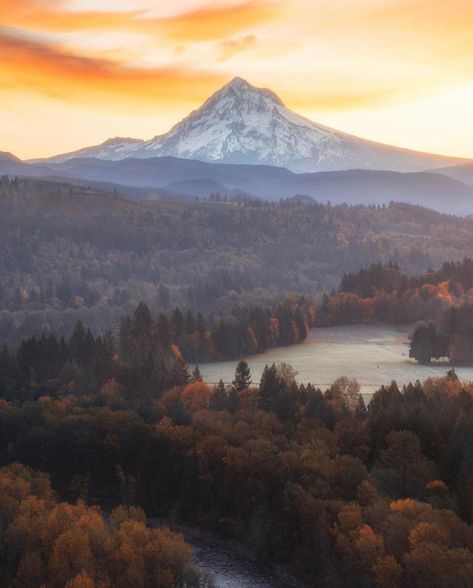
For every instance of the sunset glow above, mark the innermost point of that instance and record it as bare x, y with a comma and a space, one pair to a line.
396, 71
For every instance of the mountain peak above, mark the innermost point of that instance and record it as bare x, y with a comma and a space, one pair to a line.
241, 87
238, 82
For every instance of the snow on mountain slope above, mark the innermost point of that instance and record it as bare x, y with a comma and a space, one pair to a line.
112, 150
244, 124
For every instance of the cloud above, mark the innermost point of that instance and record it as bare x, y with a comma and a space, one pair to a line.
29, 64
231, 47
52, 17
218, 22
211, 22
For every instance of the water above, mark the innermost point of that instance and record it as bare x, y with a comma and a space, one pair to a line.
373, 354
230, 564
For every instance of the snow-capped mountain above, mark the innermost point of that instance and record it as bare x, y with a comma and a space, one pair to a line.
244, 124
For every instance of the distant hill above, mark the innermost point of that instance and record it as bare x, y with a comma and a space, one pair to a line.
462, 173
12, 166
7, 156
272, 183
200, 187
145, 178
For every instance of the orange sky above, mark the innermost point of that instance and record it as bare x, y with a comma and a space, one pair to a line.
397, 71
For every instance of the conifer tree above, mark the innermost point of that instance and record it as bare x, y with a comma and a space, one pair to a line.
242, 377
196, 375
180, 374
219, 400
360, 410
164, 330
177, 323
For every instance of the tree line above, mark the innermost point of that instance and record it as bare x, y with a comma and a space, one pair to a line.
147, 355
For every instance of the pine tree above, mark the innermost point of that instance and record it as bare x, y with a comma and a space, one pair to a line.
219, 400
360, 410
180, 374
201, 331
142, 320
164, 330
189, 324
422, 343
78, 344
242, 377
196, 375
301, 325
124, 338
177, 324
269, 387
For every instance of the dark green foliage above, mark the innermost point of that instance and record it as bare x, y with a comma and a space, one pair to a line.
196, 375
388, 278
451, 337
423, 343
242, 377
367, 281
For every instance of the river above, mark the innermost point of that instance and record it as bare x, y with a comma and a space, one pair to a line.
373, 354
227, 562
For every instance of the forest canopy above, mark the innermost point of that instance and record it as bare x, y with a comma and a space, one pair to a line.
346, 495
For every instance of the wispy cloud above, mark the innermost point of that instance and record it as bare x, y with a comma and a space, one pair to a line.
231, 47
29, 64
213, 21
220, 21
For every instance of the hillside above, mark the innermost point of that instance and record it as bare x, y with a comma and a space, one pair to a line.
462, 173
68, 252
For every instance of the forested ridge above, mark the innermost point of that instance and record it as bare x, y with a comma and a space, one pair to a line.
69, 253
